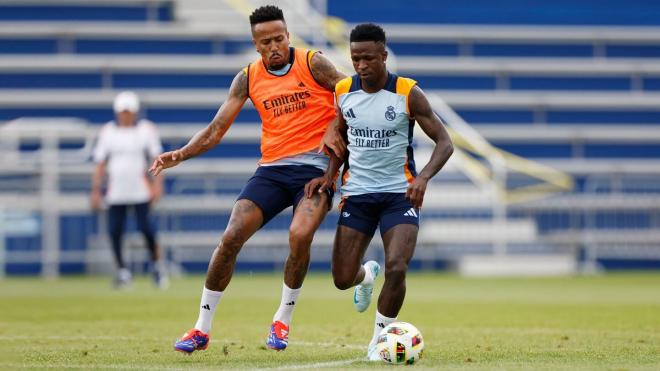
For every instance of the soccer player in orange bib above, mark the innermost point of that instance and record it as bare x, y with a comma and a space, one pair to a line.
292, 89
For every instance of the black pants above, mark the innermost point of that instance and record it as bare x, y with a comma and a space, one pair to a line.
117, 225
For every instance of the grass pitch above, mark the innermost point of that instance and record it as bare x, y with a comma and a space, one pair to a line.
609, 322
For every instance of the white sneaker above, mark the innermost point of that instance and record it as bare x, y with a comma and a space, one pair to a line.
362, 293
123, 279
160, 280
372, 353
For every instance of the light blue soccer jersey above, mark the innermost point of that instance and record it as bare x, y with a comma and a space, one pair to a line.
379, 136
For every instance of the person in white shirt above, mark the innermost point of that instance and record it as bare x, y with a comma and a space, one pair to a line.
123, 150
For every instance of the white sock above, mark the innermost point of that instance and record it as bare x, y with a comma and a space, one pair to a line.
159, 266
381, 322
287, 305
368, 279
124, 274
207, 307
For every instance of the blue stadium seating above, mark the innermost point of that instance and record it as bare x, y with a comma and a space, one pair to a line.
122, 45
545, 50
501, 12
204, 46
137, 12
214, 80
180, 80
173, 114
475, 116
75, 229
589, 150
41, 80
633, 51
28, 45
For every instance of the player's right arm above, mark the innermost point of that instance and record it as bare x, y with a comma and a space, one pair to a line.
210, 136
328, 76
327, 180
97, 181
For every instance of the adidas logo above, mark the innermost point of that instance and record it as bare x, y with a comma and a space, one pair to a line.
206, 306
411, 212
291, 303
301, 85
381, 325
350, 114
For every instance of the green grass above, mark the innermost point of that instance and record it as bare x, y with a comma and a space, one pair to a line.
609, 322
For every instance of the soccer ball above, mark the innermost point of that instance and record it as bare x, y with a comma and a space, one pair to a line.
400, 343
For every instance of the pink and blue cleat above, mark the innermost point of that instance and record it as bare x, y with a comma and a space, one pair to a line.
191, 341
278, 338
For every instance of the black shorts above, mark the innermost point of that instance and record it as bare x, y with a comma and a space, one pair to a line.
365, 212
274, 188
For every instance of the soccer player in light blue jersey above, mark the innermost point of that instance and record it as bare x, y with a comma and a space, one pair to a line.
380, 186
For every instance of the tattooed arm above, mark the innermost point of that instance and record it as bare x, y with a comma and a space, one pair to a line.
325, 72
211, 135
327, 75
326, 181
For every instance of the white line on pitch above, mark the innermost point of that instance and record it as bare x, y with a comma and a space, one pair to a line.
316, 365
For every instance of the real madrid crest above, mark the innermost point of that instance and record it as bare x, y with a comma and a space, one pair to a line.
390, 115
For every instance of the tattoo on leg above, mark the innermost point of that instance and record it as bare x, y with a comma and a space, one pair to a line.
307, 207
238, 221
295, 272
222, 263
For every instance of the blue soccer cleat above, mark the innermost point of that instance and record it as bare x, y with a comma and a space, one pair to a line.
191, 341
362, 293
278, 339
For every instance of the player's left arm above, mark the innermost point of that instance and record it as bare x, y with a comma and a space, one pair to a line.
326, 181
154, 148
327, 75
421, 110
324, 72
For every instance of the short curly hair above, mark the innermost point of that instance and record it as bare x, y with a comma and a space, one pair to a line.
368, 32
266, 13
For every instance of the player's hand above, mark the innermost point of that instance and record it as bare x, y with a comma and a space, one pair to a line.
416, 190
321, 183
334, 141
164, 161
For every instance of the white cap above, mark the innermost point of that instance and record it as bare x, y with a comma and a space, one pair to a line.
127, 101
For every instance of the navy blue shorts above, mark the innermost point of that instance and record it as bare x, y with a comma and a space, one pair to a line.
365, 212
274, 188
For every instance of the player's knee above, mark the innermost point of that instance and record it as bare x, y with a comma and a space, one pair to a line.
396, 271
342, 282
300, 237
